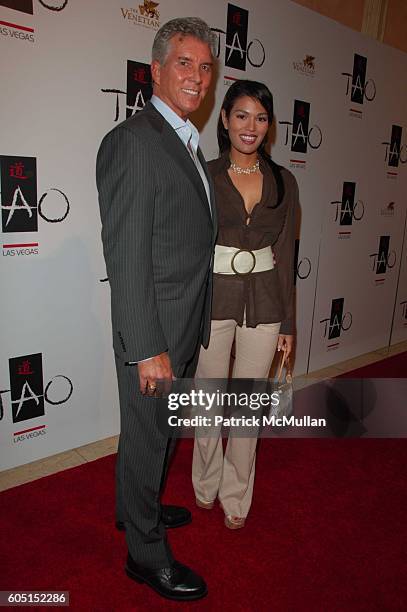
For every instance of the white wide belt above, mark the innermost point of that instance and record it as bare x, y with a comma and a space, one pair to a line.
231, 260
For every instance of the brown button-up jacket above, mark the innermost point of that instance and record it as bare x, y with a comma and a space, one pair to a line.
263, 297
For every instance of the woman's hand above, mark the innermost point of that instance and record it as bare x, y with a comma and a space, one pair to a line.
285, 343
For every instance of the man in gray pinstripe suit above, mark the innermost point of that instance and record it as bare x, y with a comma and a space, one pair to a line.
159, 227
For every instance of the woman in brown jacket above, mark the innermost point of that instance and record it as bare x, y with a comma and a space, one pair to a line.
253, 284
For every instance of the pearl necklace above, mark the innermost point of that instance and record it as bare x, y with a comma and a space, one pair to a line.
239, 170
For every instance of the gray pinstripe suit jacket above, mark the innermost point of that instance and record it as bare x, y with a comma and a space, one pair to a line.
158, 239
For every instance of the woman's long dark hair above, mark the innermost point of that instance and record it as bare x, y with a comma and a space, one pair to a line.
261, 93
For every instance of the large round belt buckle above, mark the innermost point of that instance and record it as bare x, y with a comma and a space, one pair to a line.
243, 261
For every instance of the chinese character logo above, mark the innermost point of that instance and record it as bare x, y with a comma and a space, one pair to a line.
139, 89
358, 78
236, 18
236, 37
347, 210
360, 88
28, 395
338, 321
396, 152
384, 259
19, 206
24, 6
139, 86
27, 387
301, 134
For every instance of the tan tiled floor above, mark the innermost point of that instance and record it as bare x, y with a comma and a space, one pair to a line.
90, 452
56, 463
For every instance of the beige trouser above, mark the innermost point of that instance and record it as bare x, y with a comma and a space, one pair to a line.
231, 477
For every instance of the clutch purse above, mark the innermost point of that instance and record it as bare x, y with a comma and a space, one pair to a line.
284, 388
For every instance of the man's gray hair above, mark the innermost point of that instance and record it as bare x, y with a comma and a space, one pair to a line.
186, 26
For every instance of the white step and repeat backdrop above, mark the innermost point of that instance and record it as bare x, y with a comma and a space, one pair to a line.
71, 70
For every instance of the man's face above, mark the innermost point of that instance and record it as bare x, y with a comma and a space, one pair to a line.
183, 80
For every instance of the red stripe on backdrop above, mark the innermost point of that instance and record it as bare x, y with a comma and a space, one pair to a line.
14, 246
18, 433
18, 27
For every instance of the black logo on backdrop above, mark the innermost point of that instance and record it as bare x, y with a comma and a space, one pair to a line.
301, 134
139, 86
347, 210
338, 321
302, 267
236, 37
395, 151
384, 259
139, 89
19, 194
19, 208
237, 51
26, 6
360, 89
27, 388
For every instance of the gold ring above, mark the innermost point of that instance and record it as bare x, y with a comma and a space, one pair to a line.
152, 387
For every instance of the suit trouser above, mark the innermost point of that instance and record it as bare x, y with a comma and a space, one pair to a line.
142, 461
231, 476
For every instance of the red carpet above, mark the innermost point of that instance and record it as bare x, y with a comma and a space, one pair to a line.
327, 532
392, 367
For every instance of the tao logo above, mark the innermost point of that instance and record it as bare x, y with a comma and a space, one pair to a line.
337, 322
384, 259
347, 210
27, 388
236, 48
360, 88
301, 134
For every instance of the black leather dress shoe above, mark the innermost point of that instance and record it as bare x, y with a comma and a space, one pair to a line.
171, 516
175, 516
177, 581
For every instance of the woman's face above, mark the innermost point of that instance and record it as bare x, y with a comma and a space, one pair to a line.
247, 125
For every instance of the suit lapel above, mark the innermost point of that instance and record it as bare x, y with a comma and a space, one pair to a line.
211, 193
179, 153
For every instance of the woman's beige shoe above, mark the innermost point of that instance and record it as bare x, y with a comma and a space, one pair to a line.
234, 522
204, 504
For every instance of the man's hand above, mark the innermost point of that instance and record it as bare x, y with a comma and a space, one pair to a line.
155, 375
285, 343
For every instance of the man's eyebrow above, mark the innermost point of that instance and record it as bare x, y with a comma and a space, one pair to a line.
189, 59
